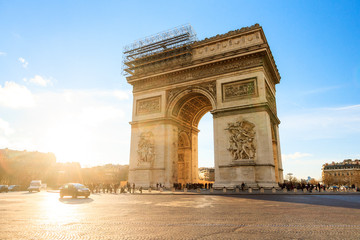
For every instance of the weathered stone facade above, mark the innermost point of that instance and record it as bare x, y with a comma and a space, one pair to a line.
233, 76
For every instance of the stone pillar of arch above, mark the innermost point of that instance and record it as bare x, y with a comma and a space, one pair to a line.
233, 76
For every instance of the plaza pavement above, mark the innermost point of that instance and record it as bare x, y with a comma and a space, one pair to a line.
167, 215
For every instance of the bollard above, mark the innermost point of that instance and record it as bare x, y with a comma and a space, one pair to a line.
250, 190
262, 190
211, 190
224, 189
237, 190
149, 189
161, 189
273, 190
185, 189
295, 190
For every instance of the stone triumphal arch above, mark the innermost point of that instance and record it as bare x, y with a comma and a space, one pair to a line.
176, 80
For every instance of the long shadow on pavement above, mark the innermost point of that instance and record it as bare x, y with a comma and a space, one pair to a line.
345, 201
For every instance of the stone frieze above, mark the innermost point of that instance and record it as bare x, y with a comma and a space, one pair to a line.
148, 105
196, 73
239, 89
227, 45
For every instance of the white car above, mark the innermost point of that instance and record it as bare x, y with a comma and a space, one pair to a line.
35, 185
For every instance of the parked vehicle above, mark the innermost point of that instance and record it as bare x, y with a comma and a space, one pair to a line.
35, 185
4, 188
74, 190
13, 188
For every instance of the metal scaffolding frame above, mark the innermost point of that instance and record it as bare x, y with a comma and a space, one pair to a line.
161, 42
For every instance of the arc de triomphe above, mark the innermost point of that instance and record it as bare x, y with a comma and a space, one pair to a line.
176, 80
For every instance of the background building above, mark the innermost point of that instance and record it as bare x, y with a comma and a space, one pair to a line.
207, 174
21, 167
346, 172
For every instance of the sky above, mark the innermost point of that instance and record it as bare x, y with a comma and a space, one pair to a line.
62, 88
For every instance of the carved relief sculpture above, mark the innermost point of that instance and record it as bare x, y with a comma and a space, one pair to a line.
146, 148
242, 135
239, 89
148, 105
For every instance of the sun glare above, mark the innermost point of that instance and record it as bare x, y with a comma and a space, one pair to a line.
56, 212
70, 142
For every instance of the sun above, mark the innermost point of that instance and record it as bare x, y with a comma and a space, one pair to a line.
70, 142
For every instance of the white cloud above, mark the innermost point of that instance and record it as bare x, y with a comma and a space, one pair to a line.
39, 80
13, 95
23, 62
93, 116
3, 54
121, 94
5, 128
88, 126
346, 107
75, 95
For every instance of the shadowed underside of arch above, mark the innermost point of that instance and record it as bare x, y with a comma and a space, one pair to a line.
191, 107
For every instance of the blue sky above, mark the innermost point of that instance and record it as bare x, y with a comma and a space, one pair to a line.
61, 88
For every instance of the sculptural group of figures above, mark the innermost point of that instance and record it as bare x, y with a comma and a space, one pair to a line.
241, 140
146, 148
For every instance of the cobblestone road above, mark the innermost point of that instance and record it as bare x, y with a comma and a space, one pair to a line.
108, 216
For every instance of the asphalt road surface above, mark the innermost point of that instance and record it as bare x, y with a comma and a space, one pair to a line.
125, 216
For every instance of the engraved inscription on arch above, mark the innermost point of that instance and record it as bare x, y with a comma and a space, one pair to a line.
239, 89
148, 105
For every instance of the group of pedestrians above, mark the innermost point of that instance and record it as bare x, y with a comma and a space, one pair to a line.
112, 188
103, 187
180, 186
309, 187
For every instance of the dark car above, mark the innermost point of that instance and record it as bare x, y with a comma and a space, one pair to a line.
74, 190
4, 188
13, 188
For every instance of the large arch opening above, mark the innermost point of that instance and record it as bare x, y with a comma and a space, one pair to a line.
188, 108
206, 160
